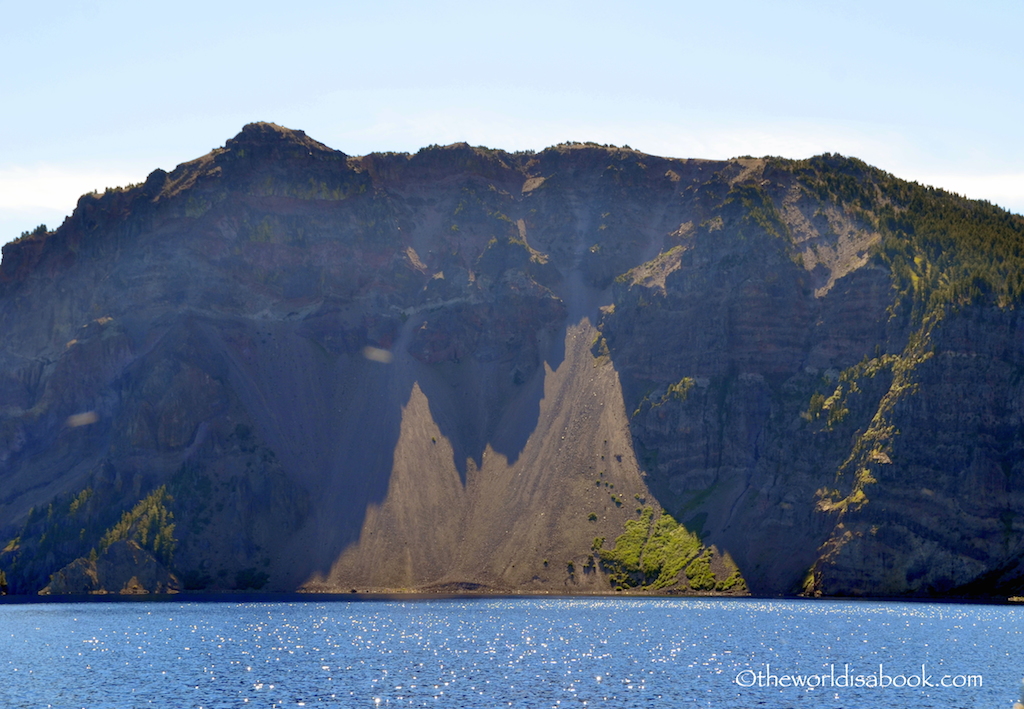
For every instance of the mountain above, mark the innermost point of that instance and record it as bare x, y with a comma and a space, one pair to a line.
281, 367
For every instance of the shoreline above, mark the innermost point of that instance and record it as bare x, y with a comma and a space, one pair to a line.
405, 596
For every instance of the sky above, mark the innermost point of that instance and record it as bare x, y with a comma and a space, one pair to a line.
98, 94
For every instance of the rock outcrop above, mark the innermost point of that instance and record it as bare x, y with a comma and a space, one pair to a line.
125, 568
281, 367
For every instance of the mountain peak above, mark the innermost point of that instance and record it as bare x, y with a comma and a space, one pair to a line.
263, 137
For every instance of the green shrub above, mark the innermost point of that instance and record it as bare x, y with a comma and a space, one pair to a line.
149, 523
654, 551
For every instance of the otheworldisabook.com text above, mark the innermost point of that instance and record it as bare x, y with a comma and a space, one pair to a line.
845, 678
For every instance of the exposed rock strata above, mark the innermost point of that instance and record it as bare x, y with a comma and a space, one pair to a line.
456, 369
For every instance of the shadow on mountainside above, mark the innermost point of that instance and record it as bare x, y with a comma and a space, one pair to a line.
477, 405
334, 419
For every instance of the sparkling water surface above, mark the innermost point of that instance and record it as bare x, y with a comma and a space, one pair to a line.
522, 652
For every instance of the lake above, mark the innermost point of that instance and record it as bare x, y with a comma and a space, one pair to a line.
510, 652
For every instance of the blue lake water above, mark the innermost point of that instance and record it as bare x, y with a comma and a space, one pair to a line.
522, 652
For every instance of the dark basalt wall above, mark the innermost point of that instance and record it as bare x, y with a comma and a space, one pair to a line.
815, 368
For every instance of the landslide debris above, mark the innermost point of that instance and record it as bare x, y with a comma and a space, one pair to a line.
282, 367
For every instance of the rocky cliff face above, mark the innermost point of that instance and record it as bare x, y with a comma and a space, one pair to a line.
283, 367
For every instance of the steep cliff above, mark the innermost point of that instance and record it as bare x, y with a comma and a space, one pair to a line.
282, 367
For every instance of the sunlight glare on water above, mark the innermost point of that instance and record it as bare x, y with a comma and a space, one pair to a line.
594, 652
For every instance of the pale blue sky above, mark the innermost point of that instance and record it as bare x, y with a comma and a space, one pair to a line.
99, 93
